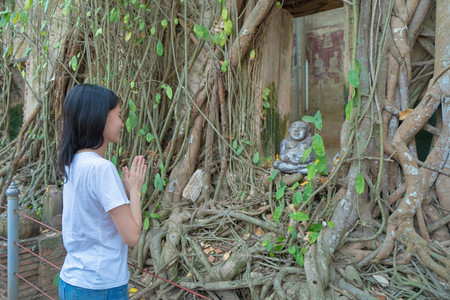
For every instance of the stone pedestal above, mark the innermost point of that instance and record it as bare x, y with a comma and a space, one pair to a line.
52, 212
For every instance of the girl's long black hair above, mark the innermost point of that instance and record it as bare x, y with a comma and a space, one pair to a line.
85, 110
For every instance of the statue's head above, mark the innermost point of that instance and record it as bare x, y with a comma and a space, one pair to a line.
299, 130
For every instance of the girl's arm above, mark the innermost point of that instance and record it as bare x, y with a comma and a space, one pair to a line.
128, 218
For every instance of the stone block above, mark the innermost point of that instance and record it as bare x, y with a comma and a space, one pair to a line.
52, 211
194, 186
27, 227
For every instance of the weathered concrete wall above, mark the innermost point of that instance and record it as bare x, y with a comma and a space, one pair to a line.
275, 74
324, 51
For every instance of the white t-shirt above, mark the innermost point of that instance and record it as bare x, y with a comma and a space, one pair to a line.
96, 254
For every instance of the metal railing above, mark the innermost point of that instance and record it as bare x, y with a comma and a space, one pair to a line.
13, 248
13, 245
13, 238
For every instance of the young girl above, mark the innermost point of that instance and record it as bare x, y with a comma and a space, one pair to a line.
101, 213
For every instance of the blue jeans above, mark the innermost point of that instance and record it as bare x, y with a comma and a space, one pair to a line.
69, 292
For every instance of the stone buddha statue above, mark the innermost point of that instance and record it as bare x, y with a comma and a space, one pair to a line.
292, 149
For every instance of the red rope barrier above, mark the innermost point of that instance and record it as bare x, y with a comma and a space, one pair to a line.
40, 257
166, 280
40, 223
26, 249
41, 291
145, 271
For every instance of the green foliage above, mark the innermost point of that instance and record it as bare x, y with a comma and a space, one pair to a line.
316, 120
353, 78
298, 254
149, 137
228, 27
359, 183
224, 66
132, 119
28, 4
265, 93
239, 150
256, 157
348, 110
168, 90
318, 145
15, 120
56, 279
246, 142
146, 132
201, 32
146, 224
144, 189
159, 48
224, 14
306, 154
6, 15
277, 213
222, 39
312, 171
298, 198
299, 216
128, 37
215, 38
315, 227
267, 244
275, 172
74, 63
280, 192
114, 15
321, 164
158, 182
313, 237
271, 245
252, 54
126, 18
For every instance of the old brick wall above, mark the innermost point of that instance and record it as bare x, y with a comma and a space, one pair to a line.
47, 245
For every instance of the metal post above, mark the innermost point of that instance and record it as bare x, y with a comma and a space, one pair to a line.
13, 236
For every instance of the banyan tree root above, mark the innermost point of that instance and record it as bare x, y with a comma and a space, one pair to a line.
167, 265
400, 223
220, 278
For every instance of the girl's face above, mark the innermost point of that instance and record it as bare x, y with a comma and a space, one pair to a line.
113, 126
